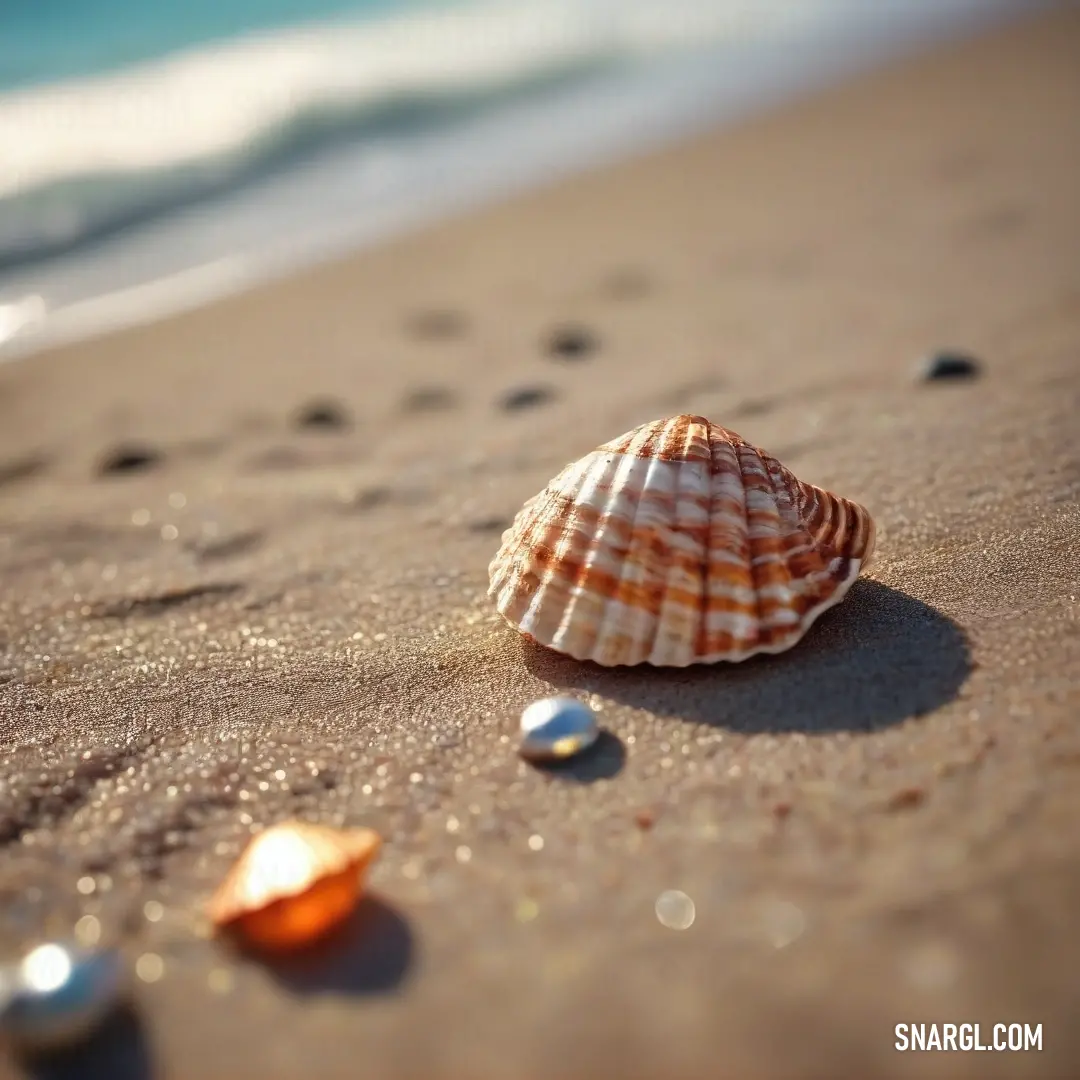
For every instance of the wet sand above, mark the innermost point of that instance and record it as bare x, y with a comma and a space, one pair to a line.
243, 560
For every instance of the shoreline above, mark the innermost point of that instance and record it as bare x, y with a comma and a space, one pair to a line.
219, 248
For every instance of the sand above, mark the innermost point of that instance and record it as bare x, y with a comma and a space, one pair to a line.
259, 618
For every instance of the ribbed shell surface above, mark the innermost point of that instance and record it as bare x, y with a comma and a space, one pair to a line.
677, 543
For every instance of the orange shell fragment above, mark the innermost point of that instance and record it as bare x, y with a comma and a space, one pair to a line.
293, 883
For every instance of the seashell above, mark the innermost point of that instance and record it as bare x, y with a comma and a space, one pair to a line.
557, 728
58, 995
674, 544
293, 883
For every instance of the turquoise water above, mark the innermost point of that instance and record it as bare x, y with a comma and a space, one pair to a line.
42, 41
160, 152
113, 112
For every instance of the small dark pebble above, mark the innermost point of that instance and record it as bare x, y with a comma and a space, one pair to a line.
947, 365
907, 799
527, 397
323, 415
645, 819
572, 343
437, 325
128, 459
782, 811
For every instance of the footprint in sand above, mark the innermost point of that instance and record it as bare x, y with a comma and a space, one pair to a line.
526, 397
572, 342
323, 414
129, 458
22, 468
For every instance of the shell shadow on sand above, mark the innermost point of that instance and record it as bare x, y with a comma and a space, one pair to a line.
371, 953
877, 659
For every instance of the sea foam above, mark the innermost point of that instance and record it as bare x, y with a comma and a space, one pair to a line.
80, 153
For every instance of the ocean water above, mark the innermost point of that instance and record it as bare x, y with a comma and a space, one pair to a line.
153, 156
47, 41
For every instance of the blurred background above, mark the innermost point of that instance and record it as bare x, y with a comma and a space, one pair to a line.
158, 155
